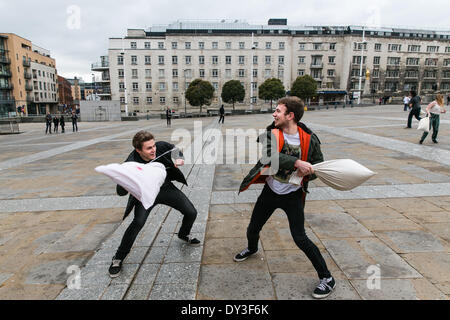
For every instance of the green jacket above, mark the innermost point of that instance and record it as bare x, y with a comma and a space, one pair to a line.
287, 162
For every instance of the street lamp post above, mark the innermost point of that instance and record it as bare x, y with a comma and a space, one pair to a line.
361, 64
124, 78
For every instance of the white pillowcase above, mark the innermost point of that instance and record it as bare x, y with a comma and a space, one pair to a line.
143, 181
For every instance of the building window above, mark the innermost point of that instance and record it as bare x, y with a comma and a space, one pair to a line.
147, 45
357, 60
241, 45
187, 45
281, 45
377, 46
376, 60
122, 100
120, 59
134, 73
432, 49
174, 73
201, 45
162, 100
447, 49
255, 73
228, 73
215, 73
174, 45
446, 62
430, 74
149, 100
188, 73
280, 59
411, 74
280, 73
413, 48
301, 60
148, 86
376, 73
392, 74
267, 73
201, 60
215, 86
267, 58
134, 60
241, 59
175, 86
160, 59
255, 59
148, 60
148, 73
162, 86
395, 47
188, 59
161, 73
317, 46
228, 45
330, 72
241, 73
302, 46
412, 61
430, 62
215, 45
227, 59
202, 73
133, 45
135, 100
268, 45
160, 45
175, 100
174, 59
332, 46
215, 59
135, 86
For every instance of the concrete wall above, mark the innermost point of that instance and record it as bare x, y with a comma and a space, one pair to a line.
100, 110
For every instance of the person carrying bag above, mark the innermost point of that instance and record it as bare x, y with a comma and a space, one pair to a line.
434, 110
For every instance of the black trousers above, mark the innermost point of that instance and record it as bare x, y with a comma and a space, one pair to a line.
292, 204
168, 195
414, 112
48, 127
74, 126
222, 117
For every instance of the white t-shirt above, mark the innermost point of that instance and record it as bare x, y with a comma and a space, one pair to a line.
293, 142
436, 108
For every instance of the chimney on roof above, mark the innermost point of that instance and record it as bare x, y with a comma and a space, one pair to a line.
277, 22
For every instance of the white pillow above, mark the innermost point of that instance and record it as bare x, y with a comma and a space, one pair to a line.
143, 181
341, 174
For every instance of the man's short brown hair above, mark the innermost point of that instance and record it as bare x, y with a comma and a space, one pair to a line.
141, 137
295, 105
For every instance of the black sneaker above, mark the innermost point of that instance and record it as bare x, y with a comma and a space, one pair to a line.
324, 289
115, 268
435, 141
421, 141
243, 255
189, 240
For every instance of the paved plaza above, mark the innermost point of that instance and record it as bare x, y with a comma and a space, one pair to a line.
387, 239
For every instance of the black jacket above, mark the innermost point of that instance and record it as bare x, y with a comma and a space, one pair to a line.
173, 173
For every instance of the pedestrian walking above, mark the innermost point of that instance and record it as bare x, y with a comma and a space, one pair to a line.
55, 123
74, 118
62, 123
222, 114
169, 116
298, 148
448, 99
146, 150
414, 104
48, 123
434, 110
406, 102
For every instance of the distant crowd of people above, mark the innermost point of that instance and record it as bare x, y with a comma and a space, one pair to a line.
59, 120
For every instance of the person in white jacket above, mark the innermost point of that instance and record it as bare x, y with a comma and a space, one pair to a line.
434, 110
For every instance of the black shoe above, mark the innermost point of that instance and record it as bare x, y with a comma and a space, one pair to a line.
243, 255
189, 240
325, 288
115, 267
435, 141
421, 141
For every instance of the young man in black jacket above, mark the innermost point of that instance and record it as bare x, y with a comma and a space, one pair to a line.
146, 150
296, 148
415, 109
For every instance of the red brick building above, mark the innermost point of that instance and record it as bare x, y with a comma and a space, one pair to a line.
65, 92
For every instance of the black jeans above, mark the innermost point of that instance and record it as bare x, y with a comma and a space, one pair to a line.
292, 204
48, 127
74, 127
168, 195
414, 112
222, 118
434, 123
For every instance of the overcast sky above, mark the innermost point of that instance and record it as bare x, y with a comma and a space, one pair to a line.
76, 32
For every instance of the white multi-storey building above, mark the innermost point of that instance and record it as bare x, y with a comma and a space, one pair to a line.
151, 69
